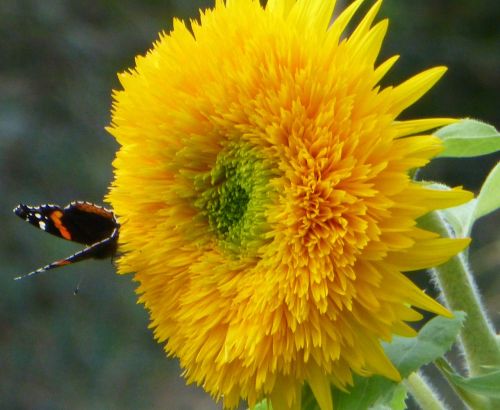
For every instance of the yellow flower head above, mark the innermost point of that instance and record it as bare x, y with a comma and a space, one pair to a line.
265, 205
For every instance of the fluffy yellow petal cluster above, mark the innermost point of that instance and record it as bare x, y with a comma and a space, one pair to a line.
265, 205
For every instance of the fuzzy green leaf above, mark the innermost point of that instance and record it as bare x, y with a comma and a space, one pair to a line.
394, 400
474, 401
262, 405
463, 217
488, 199
468, 138
365, 393
459, 217
487, 385
433, 340
408, 355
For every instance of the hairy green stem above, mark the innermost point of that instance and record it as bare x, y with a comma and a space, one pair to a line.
460, 293
422, 393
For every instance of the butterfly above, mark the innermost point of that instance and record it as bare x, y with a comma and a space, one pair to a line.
80, 221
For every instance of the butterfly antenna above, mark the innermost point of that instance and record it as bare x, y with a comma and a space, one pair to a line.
50, 266
35, 272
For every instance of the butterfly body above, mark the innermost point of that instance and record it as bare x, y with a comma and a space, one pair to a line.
81, 222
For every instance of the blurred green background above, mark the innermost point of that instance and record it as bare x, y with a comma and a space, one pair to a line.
58, 65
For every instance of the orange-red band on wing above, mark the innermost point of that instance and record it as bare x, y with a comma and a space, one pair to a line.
56, 218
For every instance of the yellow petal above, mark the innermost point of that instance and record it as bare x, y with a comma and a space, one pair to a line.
341, 22
368, 49
286, 394
315, 14
280, 7
431, 199
426, 254
364, 27
383, 68
377, 361
411, 127
413, 89
320, 386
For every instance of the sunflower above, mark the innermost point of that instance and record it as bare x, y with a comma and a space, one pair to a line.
263, 191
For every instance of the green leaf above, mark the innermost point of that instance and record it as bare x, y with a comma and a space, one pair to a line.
263, 405
487, 385
365, 393
408, 355
468, 138
459, 217
473, 400
433, 341
488, 199
463, 217
393, 400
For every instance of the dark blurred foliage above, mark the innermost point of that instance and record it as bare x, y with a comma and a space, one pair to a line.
58, 64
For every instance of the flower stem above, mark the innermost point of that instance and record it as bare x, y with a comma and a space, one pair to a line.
460, 293
422, 393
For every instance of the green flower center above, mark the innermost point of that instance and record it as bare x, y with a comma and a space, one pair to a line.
232, 197
227, 207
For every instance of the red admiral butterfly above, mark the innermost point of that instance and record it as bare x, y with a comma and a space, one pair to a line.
82, 222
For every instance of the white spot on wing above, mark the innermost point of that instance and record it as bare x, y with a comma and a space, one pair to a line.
42, 225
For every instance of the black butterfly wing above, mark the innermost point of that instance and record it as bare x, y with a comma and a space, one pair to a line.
87, 222
81, 222
44, 217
